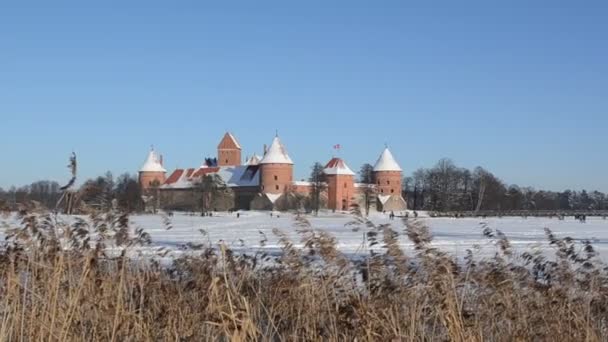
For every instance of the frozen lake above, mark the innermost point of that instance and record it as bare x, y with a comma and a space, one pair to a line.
449, 234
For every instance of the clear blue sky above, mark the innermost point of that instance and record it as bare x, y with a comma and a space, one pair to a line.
519, 87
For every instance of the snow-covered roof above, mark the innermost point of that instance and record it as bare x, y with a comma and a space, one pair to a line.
242, 175
337, 166
302, 183
254, 160
233, 176
386, 162
276, 154
153, 163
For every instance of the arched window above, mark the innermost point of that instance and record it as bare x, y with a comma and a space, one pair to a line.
388, 182
277, 187
345, 185
392, 191
276, 177
382, 190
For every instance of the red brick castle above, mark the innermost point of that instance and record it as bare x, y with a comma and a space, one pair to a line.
267, 183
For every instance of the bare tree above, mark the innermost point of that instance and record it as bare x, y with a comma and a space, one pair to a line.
210, 187
366, 177
317, 182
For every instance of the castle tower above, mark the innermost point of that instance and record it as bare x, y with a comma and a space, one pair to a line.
229, 151
152, 172
276, 169
340, 184
388, 178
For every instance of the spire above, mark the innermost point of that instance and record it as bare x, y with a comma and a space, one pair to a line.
153, 163
386, 162
276, 154
229, 142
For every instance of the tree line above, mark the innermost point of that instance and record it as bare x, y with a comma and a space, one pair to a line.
100, 192
447, 187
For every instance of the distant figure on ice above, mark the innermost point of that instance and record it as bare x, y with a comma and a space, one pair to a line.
238, 215
391, 215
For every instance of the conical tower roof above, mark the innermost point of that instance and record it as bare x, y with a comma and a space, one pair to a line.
152, 163
276, 154
337, 166
387, 162
254, 160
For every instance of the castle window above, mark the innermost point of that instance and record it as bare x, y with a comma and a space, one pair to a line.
226, 161
277, 187
345, 186
392, 191
382, 190
388, 182
276, 177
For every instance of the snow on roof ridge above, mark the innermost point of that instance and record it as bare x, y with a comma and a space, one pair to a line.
236, 142
337, 166
276, 154
254, 160
386, 162
152, 163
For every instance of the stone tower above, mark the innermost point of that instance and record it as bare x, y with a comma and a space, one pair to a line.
388, 178
340, 184
152, 172
229, 151
276, 169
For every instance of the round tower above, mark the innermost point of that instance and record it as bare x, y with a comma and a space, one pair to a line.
276, 169
152, 172
387, 175
340, 184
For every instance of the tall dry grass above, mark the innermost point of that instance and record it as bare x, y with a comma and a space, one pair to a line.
60, 282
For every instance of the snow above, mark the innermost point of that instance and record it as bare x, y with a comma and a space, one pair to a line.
386, 162
254, 160
383, 198
453, 235
152, 163
276, 154
273, 197
235, 176
337, 166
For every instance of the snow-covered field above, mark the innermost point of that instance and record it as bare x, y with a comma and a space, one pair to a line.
450, 234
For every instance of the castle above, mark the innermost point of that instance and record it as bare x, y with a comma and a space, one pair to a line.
266, 182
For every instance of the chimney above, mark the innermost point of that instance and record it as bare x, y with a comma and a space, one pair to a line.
265, 149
